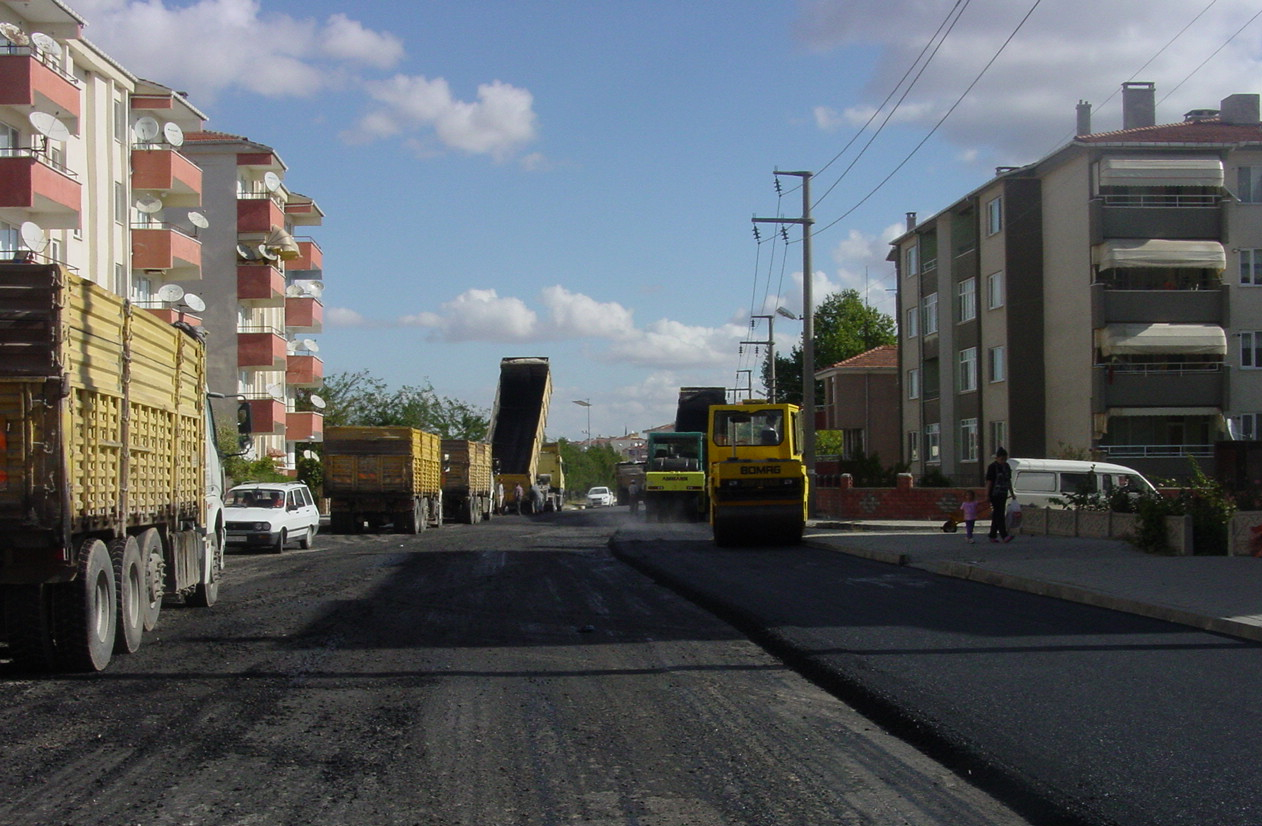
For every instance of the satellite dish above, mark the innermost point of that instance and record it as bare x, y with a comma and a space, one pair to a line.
275, 389
170, 293
48, 126
267, 253
198, 220
173, 133
14, 34
309, 454
146, 129
294, 291
149, 204
271, 181
291, 345
194, 302
33, 237
315, 289
311, 345
317, 402
43, 42
246, 252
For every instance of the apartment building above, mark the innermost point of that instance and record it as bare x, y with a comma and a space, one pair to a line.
256, 254
103, 172
1102, 301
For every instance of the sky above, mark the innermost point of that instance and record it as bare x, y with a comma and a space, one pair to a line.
577, 180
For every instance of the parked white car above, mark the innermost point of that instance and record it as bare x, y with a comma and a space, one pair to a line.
271, 514
600, 497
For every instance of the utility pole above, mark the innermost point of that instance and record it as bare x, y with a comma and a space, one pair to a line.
771, 350
808, 329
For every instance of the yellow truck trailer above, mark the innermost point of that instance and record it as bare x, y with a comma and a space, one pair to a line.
111, 486
379, 475
467, 481
518, 418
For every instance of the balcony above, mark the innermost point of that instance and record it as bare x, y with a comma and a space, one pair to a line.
29, 182
260, 285
310, 257
175, 177
164, 248
267, 416
305, 426
261, 215
1166, 386
260, 349
28, 83
304, 370
1138, 306
169, 316
304, 315
303, 212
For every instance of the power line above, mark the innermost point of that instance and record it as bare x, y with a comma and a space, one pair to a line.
1213, 55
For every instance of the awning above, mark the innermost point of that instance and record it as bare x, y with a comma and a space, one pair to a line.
1162, 339
1161, 172
283, 244
1157, 252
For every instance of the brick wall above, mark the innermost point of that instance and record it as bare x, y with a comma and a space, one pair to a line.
906, 501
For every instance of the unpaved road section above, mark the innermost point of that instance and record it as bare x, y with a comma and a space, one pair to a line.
506, 673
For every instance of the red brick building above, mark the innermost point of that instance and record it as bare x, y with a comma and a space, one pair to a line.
861, 399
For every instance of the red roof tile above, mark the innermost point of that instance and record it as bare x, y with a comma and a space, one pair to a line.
885, 356
1211, 130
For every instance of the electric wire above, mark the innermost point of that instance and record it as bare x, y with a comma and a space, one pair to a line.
1212, 55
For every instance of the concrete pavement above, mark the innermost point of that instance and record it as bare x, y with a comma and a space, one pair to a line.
1214, 593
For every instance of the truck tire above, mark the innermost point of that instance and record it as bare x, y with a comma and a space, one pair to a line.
413, 521
341, 523
129, 576
28, 619
468, 511
85, 612
206, 594
154, 562
435, 507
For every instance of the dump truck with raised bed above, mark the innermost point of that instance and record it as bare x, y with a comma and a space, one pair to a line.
517, 422
379, 475
675, 473
467, 481
111, 484
757, 477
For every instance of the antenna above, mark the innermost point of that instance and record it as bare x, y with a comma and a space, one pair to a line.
271, 181
173, 133
194, 302
49, 126
198, 220
317, 402
146, 129
149, 204
14, 34
170, 293
246, 252
43, 42
33, 236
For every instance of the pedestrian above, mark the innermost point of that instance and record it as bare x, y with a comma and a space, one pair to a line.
517, 497
969, 509
998, 489
499, 499
633, 496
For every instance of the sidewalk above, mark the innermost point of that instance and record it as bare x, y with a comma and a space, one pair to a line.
1213, 593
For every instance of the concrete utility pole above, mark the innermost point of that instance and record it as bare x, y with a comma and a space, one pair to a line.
808, 329
771, 350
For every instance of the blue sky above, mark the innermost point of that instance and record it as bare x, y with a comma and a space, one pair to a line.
576, 179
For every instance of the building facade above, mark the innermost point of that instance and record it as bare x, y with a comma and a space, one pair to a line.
859, 394
1101, 302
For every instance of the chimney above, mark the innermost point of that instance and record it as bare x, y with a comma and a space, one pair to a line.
1139, 105
1084, 118
1240, 109
911, 221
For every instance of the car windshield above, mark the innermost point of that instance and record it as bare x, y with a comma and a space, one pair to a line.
255, 498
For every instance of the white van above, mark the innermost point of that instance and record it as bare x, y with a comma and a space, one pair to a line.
1038, 481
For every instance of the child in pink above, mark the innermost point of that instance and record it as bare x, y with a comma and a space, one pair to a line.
969, 509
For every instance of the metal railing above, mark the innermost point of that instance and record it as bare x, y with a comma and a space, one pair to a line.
1172, 368
1155, 451
1162, 201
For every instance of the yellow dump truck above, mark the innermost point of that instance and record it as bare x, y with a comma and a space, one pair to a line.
550, 478
517, 422
758, 481
111, 487
379, 475
467, 481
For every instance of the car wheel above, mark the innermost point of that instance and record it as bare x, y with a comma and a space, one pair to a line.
308, 538
278, 546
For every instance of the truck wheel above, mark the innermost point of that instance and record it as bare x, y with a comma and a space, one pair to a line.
206, 594
278, 547
341, 523
435, 506
28, 619
86, 611
413, 521
468, 513
151, 557
129, 575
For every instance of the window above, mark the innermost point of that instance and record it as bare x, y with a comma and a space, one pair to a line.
120, 280
8, 141
913, 383
930, 307
9, 242
55, 251
1249, 184
933, 446
994, 215
1251, 349
994, 290
852, 443
913, 446
911, 259
968, 370
998, 436
968, 440
141, 290
966, 303
120, 121
1251, 267
913, 322
120, 203
1247, 426
998, 357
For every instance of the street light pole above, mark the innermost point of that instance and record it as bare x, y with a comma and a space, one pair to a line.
588, 404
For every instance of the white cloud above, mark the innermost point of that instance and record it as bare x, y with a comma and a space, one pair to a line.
479, 315
210, 46
335, 317
501, 121
578, 315
667, 343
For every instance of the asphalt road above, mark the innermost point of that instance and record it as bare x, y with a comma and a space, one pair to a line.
508, 673
1112, 717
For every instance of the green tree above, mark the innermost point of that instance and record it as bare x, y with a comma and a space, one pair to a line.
238, 468
360, 398
584, 469
844, 327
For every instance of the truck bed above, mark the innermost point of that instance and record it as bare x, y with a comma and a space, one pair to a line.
373, 460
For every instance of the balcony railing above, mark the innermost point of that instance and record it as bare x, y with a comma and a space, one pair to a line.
1155, 451
161, 246
1163, 201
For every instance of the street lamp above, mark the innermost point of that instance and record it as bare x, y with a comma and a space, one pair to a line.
588, 404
